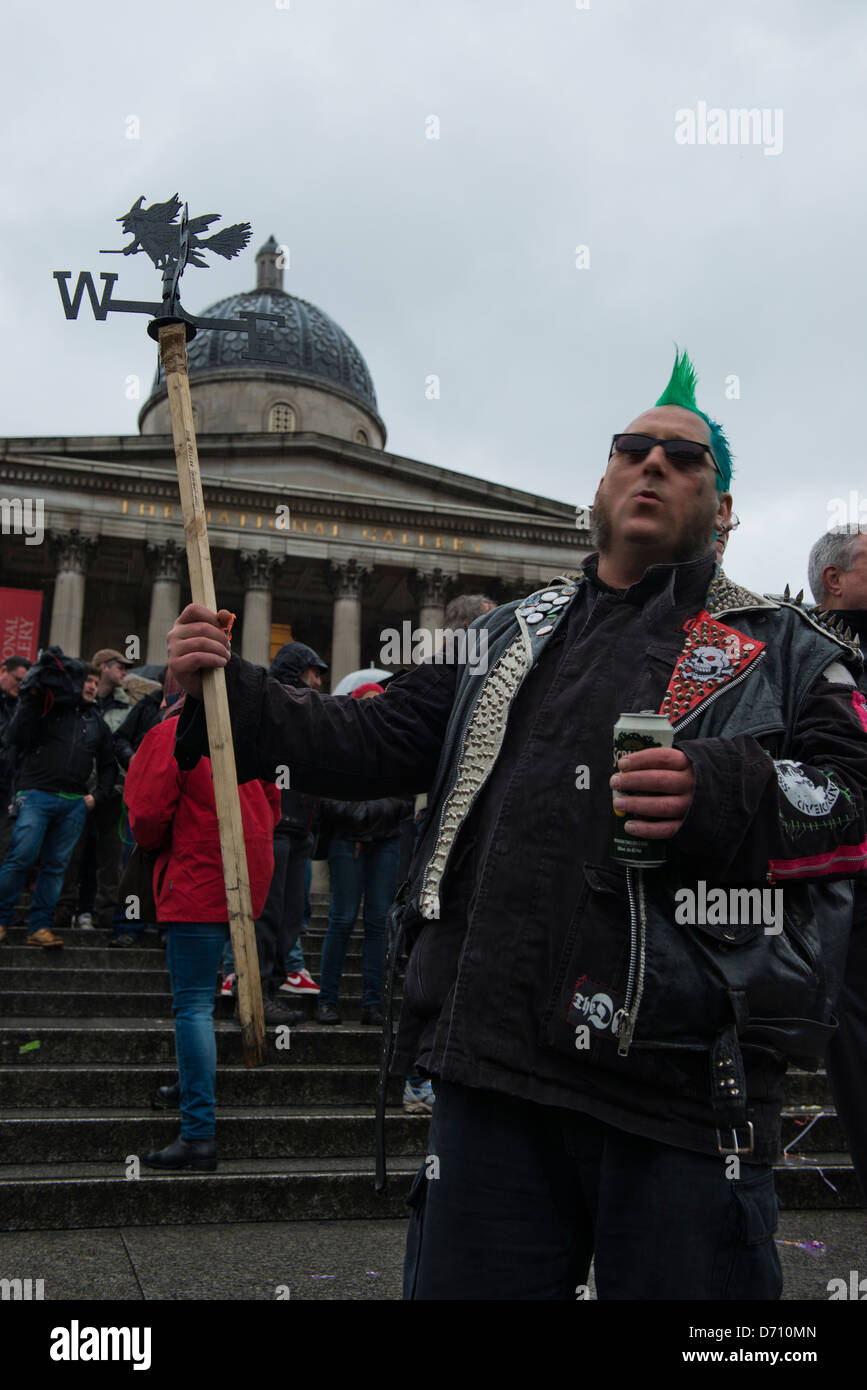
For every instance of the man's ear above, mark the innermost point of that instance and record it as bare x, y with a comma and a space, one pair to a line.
724, 510
831, 580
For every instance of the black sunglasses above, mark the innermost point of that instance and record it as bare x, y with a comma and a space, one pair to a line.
684, 451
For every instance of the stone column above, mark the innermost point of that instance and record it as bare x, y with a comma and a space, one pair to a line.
72, 551
258, 569
166, 565
346, 583
428, 588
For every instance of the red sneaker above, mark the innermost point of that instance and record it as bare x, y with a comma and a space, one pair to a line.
302, 983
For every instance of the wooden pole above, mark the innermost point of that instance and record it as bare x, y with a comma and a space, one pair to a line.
173, 351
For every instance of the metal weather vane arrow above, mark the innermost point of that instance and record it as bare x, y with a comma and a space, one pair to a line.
172, 240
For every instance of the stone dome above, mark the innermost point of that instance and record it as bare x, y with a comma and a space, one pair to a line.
309, 350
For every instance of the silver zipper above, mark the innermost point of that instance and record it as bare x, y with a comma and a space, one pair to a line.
700, 709
625, 1018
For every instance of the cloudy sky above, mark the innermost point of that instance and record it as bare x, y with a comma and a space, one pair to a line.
560, 126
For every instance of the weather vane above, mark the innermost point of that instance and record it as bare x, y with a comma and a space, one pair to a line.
167, 234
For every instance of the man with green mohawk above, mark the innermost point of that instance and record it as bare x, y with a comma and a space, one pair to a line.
606, 1042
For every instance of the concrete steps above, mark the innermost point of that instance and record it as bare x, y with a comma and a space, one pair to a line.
295, 1136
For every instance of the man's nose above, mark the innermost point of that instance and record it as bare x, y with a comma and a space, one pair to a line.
656, 459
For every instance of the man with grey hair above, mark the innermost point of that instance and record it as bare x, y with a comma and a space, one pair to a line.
837, 571
464, 609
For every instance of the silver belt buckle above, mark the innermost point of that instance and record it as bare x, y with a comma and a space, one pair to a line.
737, 1149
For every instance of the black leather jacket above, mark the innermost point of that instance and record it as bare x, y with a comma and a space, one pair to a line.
516, 914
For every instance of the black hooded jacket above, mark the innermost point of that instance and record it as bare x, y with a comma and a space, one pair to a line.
300, 812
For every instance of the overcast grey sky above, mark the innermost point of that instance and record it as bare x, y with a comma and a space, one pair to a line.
457, 256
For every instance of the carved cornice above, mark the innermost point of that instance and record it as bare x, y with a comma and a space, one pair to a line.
347, 580
133, 480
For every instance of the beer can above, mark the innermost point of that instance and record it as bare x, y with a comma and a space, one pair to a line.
632, 733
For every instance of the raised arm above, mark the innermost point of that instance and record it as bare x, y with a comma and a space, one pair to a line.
331, 745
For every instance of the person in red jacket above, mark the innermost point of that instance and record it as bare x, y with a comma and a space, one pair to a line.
175, 813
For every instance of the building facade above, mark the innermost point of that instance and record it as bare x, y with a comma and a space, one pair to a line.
317, 532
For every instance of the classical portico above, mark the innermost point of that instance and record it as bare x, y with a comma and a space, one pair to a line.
317, 531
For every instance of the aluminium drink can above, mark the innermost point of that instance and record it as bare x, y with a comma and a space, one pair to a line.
633, 732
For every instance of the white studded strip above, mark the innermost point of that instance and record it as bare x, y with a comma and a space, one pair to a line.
481, 746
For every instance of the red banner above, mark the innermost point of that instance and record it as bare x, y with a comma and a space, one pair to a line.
20, 612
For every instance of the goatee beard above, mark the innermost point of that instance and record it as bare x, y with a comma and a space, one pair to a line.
695, 540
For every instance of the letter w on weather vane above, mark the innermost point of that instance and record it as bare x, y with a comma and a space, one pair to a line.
173, 241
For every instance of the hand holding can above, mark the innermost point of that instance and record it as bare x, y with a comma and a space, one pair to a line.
633, 734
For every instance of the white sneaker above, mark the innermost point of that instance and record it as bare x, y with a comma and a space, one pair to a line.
84, 920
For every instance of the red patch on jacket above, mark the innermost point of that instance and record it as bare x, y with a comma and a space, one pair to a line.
713, 655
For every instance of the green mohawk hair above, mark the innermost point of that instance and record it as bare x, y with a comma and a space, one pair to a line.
681, 391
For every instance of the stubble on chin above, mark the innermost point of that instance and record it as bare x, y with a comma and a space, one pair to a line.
696, 537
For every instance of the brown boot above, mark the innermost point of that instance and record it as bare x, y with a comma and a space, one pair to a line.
44, 937
2, 933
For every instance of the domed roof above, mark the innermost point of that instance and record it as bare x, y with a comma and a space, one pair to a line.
310, 345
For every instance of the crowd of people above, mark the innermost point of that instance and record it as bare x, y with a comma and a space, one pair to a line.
108, 833
568, 1030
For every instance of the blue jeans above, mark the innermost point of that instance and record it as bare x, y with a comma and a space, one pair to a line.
524, 1195
193, 953
49, 823
373, 876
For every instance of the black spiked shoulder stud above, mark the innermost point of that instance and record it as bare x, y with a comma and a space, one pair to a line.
822, 620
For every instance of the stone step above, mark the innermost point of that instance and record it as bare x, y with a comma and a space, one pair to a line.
813, 1129
74, 955
116, 975
36, 1196
124, 1042
65, 1135
71, 1003
92, 1195
316, 924
820, 1181
107, 1085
